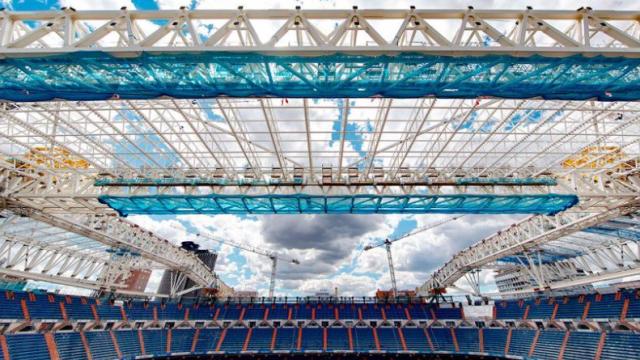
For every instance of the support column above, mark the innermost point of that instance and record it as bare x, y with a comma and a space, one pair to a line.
273, 338
242, 312
5, 347
625, 309
155, 313
585, 312
245, 346
299, 344
603, 338
224, 333
481, 339
350, 333
94, 311
124, 314
455, 340
407, 313
115, 344
402, 340
63, 311
25, 310
290, 314
195, 340
532, 349
375, 338
266, 314
169, 335
555, 311
186, 314
564, 345
426, 333
141, 340
217, 313
526, 312
85, 344
383, 313
324, 339
336, 313
508, 343
51, 346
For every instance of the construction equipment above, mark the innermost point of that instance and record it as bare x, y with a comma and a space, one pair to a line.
387, 244
271, 255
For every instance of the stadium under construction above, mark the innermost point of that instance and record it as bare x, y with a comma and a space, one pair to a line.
110, 114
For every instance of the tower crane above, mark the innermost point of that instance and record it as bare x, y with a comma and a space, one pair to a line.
270, 254
387, 244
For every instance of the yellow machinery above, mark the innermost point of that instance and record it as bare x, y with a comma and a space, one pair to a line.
55, 158
596, 157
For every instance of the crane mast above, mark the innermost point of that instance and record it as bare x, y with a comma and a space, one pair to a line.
272, 256
392, 271
387, 244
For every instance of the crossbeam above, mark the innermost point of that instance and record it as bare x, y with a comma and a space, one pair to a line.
581, 54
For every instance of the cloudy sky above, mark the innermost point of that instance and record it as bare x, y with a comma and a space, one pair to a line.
329, 247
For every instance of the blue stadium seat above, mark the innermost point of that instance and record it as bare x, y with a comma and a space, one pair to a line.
202, 312
363, 340
348, 312
181, 340
441, 339
420, 312
109, 312
229, 312
11, 309
607, 308
312, 339
129, 343
468, 340
76, 310
324, 312
509, 310
621, 345
155, 341
389, 340
28, 347
416, 340
234, 340
260, 340
572, 309
549, 344
287, 339
101, 345
254, 313
139, 311
280, 312
541, 311
170, 311
337, 339
521, 340
371, 312
69, 345
207, 340
495, 341
449, 313
582, 345
42, 309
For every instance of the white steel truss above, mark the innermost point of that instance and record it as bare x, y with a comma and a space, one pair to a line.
299, 31
525, 237
117, 233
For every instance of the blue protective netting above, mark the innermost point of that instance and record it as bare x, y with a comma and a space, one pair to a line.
343, 204
100, 76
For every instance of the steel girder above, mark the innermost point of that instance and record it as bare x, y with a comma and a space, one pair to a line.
522, 237
552, 54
